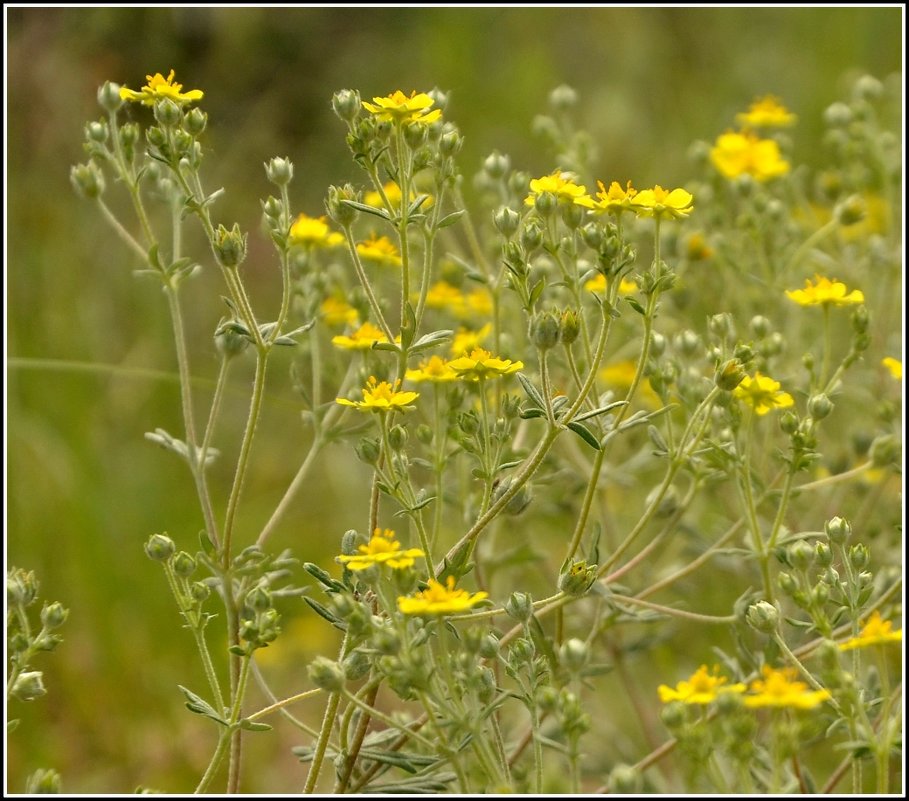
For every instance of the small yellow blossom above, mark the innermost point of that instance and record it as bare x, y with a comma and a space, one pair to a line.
314, 232
382, 549
557, 183
337, 311
598, 284
381, 397
363, 338
399, 108
443, 295
875, 632
779, 688
825, 292
393, 195
701, 688
160, 88
762, 394
736, 154
465, 341
434, 369
380, 249
894, 366
437, 599
766, 112
482, 364
697, 248
659, 202
620, 375
612, 200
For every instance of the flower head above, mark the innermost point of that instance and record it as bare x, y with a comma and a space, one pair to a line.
382, 397
895, 366
382, 549
659, 202
825, 292
557, 183
701, 688
762, 393
875, 632
437, 599
482, 364
443, 295
399, 108
159, 88
612, 200
736, 154
337, 311
598, 284
313, 232
363, 338
779, 688
434, 369
766, 112
380, 249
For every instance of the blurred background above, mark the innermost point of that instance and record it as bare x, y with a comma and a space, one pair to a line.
91, 364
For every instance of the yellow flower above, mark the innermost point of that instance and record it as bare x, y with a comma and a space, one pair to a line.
382, 397
477, 303
736, 154
393, 194
313, 231
894, 366
598, 284
659, 202
766, 112
825, 292
557, 183
443, 295
762, 394
362, 339
875, 632
439, 600
399, 108
436, 369
337, 311
613, 200
701, 688
779, 688
380, 249
697, 248
382, 549
465, 341
482, 364
620, 375
159, 88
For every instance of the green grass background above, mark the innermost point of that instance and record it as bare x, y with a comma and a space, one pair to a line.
84, 488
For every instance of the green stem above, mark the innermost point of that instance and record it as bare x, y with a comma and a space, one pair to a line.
279, 705
367, 287
668, 610
331, 711
216, 760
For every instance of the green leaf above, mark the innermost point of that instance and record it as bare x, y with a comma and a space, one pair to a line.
450, 219
529, 414
200, 706
535, 292
585, 434
636, 305
389, 346
415, 205
323, 612
251, 725
601, 410
323, 577
530, 390
208, 547
367, 209
431, 340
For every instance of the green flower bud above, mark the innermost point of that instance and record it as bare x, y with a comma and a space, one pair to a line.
195, 121
184, 565
574, 654
831, 577
729, 375
763, 616
688, 343
828, 654
625, 780
837, 530
44, 782
823, 554
592, 234
425, 434
280, 171
53, 615
860, 319
569, 326
819, 406
109, 97
786, 583
496, 164
547, 699
439, 97
884, 451
338, 210
346, 104
868, 88
720, 325
228, 340
167, 113
326, 674
789, 423
486, 685
563, 98
368, 450
657, 344
229, 246
819, 594
532, 236
350, 542
859, 556
572, 215
489, 646
760, 326
199, 591
578, 579
160, 548
521, 652
87, 180
386, 641
356, 665
850, 211
414, 135
673, 715
450, 143
545, 203
544, 330
97, 132
519, 606
506, 221
469, 423
397, 437
838, 115
21, 587
800, 555
28, 686
258, 599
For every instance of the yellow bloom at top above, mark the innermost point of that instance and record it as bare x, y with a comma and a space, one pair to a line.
437, 599
701, 688
380, 249
895, 366
435, 369
875, 632
659, 202
314, 232
363, 338
382, 397
398, 107
465, 341
612, 200
825, 292
482, 364
736, 154
382, 549
598, 284
557, 183
337, 311
159, 88
762, 394
779, 688
766, 112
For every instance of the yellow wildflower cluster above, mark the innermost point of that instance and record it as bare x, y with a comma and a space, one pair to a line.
382, 549
438, 599
876, 631
476, 303
161, 88
762, 393
824, 292
313, 232
744, 153
702, 688
363, 338
401, 109
382, 397
381, 250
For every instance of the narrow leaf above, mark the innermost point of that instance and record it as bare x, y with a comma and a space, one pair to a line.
585, 434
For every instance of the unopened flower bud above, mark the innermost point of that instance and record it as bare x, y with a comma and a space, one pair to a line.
160, 547
109, 96
386, 641
838, 115
577, 580
43, 782
228, 340
569, 326
346, 104
545, 203
338, 210
258, 599
450, 143
786, 583
729, 375
572, 215
763, 616
87, 179
563, 98
425, 434
819, 594
823, 554
574, 654
356, 665
97, 132
850, 211
326, 674
167, 113
657, 344
819, 406
184, 565
625, 780
280, 171
414, 135
800, 555
368, 450
199, 591
688, 342
721, 326
397, 437
229, 246
506, 221
673, 715
884, 451
54, 615
496, 164
519, 606
837, 530
859, 555
868, 88
544, 330
532, 236
28, 686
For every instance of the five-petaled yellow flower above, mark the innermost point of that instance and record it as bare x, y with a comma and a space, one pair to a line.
762, 394
702, 688
314, 232
382, 397
736, 154
598, 284
557, 183
895, 366
380, 249
437, 599
399, 108
779, 688
825, 292
766, 112
875, 632
435, 369
482, 364
363, 338
160, 88
382, 549
659, 202
613, 200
